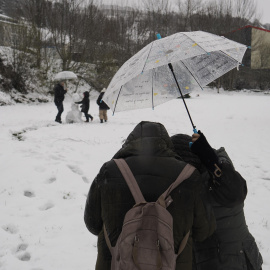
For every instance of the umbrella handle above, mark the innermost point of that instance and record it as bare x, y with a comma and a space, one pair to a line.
195, 131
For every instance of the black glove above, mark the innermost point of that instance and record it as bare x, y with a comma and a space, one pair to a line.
207, 155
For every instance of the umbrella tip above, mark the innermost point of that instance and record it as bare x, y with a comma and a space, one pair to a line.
158, 36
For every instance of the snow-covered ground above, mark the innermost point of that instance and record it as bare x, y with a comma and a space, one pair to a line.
46, 170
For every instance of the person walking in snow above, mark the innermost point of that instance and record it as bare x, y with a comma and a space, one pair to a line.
103, 107
149, 153
231, 246
85, 106
59, 96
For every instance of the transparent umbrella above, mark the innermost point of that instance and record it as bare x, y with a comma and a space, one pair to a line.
171, 67
65, 75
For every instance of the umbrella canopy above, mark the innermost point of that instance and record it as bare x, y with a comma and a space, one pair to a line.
146, 79
65, 75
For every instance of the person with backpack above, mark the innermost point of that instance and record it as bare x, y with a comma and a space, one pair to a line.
103, 107
231, 246
59, 96
85, 106
168, 214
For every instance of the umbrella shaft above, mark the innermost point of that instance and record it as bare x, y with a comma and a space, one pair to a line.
171, 68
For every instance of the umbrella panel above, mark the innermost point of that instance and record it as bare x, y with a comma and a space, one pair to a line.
172, 49
65, 75
151, 88
208, 67
210, 42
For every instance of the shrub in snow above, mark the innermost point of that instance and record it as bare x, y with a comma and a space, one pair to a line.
5, 99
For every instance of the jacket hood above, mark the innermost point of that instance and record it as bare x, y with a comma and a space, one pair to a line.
86, 94
147, 139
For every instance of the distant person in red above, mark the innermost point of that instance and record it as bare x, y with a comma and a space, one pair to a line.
59, 96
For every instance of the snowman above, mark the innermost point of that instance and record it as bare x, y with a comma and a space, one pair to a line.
75, 115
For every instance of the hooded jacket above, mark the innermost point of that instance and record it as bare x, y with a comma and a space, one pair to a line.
59, 93
85, 102
149, 153
102, 105
231, 246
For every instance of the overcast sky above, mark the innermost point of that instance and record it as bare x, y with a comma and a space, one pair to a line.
263, 7
264, 10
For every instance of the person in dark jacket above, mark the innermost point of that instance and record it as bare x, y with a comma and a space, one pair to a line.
85, 106
59, 96
231, 246
149, 153
103, 107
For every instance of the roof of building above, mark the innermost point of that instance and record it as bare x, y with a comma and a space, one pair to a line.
248, 26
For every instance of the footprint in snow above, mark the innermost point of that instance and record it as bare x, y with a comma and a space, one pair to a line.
46, 206
85, 179
25, 257
10, 228
29, 194
21, 247
51, 180
75, 169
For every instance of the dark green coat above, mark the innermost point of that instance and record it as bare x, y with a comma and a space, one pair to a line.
231, 247
148, 151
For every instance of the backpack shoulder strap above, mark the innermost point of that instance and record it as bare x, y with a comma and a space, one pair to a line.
130, 180
185, 173
183, 243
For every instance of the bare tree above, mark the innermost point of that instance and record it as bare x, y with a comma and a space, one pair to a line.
33, 13
244, 9
188, 8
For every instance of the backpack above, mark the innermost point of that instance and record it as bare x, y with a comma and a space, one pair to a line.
146, 241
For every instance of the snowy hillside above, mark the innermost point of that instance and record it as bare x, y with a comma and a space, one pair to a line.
36, 84
46, 170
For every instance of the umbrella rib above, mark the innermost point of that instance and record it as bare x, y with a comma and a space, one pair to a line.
171, 68
153, 89
117, 99
192, 74
147, 56
229, 56
171, 44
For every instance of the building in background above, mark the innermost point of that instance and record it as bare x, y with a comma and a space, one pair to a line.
255, 68
258, 40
